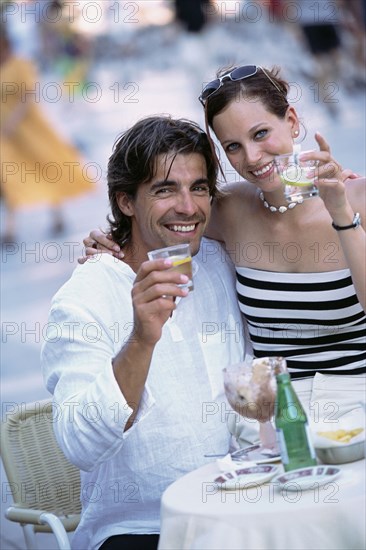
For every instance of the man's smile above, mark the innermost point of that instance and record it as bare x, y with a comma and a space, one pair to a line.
181, 228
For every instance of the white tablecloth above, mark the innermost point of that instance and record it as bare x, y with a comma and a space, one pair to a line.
196, 515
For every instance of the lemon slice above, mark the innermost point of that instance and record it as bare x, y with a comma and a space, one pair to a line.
294, 175
181, 261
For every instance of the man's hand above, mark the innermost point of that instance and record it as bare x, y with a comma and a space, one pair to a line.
153, 298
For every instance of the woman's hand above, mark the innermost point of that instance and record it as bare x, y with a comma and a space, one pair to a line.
330, 178
100, 242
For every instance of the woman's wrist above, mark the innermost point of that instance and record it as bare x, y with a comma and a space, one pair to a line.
344, 217
356, 221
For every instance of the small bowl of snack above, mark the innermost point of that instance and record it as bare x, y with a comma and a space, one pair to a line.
340, 439
340, 446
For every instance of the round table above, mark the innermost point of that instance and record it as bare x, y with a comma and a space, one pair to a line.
197, 515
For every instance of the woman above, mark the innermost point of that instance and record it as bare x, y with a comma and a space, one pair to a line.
300, 272
38, 166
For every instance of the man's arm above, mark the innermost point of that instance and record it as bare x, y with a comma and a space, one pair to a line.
153, 295
94, 364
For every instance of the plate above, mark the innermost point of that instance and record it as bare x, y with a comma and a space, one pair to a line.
307, 478
246, 477
256, 453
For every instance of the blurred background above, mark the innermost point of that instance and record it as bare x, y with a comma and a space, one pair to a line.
92, 69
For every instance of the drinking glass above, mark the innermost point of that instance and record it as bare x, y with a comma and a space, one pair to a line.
297, 177
181, 257
250, 388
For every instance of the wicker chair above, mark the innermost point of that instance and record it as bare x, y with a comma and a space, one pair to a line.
44, 485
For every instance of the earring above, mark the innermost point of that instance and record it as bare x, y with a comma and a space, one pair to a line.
300, 135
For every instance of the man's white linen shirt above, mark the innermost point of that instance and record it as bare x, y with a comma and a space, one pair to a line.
182, 414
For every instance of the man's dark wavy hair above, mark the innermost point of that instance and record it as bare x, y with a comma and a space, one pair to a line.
133, 161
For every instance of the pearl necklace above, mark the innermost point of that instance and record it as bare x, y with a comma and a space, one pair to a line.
280, 209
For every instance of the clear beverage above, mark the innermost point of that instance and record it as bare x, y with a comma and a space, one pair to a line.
292, 428
181, 257
183, 266
297, 177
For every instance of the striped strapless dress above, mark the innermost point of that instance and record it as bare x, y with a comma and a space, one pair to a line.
314, 320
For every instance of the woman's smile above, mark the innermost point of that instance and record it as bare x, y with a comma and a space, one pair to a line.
264, 171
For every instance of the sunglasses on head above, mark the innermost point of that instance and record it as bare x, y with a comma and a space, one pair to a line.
239, 73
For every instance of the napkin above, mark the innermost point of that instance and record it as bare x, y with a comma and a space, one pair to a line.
337, 403
227, 464
333, 396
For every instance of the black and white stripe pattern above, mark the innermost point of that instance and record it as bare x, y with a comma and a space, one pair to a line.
314, 320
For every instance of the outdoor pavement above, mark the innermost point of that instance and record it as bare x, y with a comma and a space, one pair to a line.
164, 76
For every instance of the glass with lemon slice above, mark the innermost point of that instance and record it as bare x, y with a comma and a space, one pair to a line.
297, 177
181, 257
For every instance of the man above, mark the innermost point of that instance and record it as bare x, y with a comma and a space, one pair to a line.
135, 361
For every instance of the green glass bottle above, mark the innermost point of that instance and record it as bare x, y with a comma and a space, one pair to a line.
291, 424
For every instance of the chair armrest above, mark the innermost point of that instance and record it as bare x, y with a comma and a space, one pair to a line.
24, 515
40, 517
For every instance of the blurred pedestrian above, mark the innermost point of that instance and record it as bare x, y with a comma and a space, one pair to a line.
274, 7
191, 13
49, 32
37, 166
21, 20
354, 38
66, 49
320, 30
